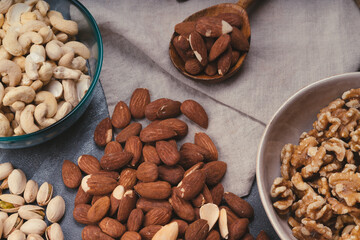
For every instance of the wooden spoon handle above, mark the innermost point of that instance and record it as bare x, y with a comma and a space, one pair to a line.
244, 3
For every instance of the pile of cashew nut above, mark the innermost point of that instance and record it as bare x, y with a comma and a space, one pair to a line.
43, 69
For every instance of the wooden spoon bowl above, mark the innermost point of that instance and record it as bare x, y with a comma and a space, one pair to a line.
238, 8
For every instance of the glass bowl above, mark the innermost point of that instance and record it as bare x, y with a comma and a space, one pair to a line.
89, 34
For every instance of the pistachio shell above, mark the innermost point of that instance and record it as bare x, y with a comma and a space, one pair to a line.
17, 181
10, 203
12, 223
3, 216
34, 237
17, 235
31, 212
5, 170
5, 184
44, 194
37, 226
31, 190
56, 209
1, 228
54, 232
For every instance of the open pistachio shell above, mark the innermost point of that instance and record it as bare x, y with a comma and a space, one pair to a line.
55, 209
44, 194
17, 235
5, 184
12, 223
31, 212
54, 232
3, 216
5, 170
31, 190
34, 237
10, 203
36, 226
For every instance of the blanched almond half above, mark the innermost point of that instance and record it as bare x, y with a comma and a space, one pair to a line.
210, 213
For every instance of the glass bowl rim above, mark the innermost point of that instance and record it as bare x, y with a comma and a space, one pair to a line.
95, 80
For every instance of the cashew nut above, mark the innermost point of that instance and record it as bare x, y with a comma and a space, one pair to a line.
4, 126
43, 7
17, 106
46, 72
41, 111
32, 26
49, 99
2, 92
79, 49
29, 37
5, 5
63, 109
27, 119
62, 37
20, 60
27, 16
56, 88
66, 73
70, 93
69, 60
2, 19
82, 86
11, 43
67, 26
23, 93
47, 34
53, 49
25, 81
14, 13
33, 60
37, 85
12, 70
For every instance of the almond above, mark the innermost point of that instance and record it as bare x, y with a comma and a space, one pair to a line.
99, 209
235, 57
89, 164
189, 158
103, 132
113, 147
135, 220
224, 62
98, 184
185, 28
231, 216
110, 174
214, 172
197, 166
113, 161
92, 232
82, 197
182, 226
121, 116
193, 66
209, 42
80, 213
191, 185
131, 236
198, 46
156, 133
220, 45
212, 27
134, 145
182, 46
154, 190
150, 154
147, 204
211, 69
157, 216
139, 99
182, 208
217, 193
128, 178
179, 126
162, 108
207, 195
196, 148
203, 140
95, 198
168, 153
233, 19
198, 201
126, 205
239, 41
197, 230
171, 174
213, 235
147, 233
241, 207
112, 227
147, 172
195, 112
133, 129
115, 199
238, 228
262, 236
71, 174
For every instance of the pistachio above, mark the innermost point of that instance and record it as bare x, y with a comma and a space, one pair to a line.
17, 181
5, 170
34, 237
56, 209
37, 226
12, 223
17, 235
31, 190
31, 212
1, 228
44, 194
5, 184
3, 216
10, 203
54, 232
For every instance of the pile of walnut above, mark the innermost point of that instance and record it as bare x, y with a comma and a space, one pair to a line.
320, 182
212, 44
43, 69
147, 189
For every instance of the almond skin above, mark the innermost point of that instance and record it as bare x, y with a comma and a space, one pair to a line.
99, 209
98, 185
182, 208
168, 153
217, 193
198, 46
126, 205
185, 28
241, 207
156, 133
157, 216
147, 172
203, 140
148, 232
213, 235
191, 185
182, 46
134, 145
147, 204
238, 40
113, 161
150, 154
220, 45
131, 236
82, 197
211, 69
193, 66
162, 108
171, 174
103, 132
139, 99
71, 174
212, 27
189, 158
121, 116
92, 232
224, 62
195, 112
128, 178
235, 57
112, 227
133, 129
80, 213
113, 147
233, 19
89, 164
154, 190
214, 172
197, 230
135, 220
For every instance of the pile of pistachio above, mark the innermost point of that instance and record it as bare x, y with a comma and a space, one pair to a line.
20, 218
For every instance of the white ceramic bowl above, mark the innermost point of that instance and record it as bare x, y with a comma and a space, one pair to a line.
294, 117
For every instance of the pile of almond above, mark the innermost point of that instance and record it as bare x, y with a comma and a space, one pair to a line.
143, 187
211, 44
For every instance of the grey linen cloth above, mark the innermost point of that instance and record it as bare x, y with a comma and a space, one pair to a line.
293, 44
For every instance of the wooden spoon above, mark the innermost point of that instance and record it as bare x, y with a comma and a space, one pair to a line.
238, 8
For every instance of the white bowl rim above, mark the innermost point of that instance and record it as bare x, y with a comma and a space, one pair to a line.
260, 185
